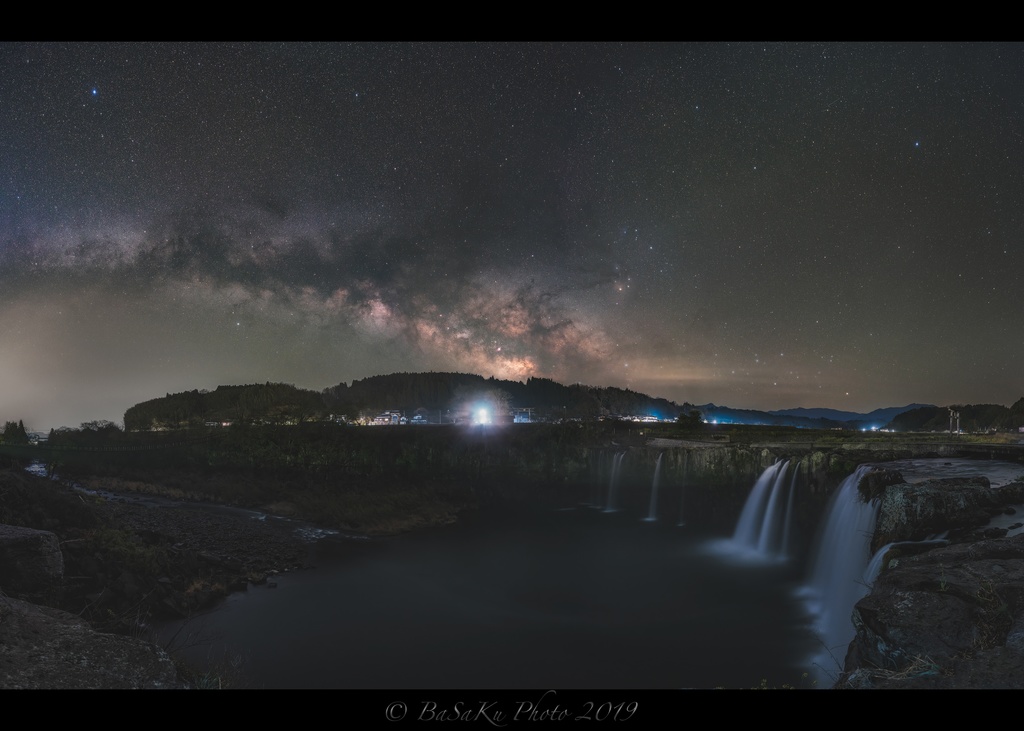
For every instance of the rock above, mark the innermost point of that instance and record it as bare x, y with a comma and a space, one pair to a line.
915, 512
952, 617
31, 564
874, 483
41, 647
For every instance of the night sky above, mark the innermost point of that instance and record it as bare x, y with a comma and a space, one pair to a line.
761, 226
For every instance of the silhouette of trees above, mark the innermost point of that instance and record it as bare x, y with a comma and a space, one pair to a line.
14, 433
279, 403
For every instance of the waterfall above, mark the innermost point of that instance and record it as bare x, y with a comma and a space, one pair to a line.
774, 517
874, 567
787, 530
875, 564
612, 505
761, 523
837, 580
652, 509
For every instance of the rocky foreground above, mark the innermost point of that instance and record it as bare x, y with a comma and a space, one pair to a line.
941, 616
47, 648
81, 578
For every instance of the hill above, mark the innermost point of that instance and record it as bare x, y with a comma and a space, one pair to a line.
971, 417
435, 397
881, 416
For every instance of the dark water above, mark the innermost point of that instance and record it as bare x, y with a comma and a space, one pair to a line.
577, 598
561, 599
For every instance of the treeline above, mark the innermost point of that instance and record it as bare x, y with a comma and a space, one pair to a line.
14, 433
434, 396
269, 403
973, 418
434, 392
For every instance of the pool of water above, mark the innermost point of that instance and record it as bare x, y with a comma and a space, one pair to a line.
564, 599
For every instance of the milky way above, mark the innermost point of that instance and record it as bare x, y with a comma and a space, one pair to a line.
762, 226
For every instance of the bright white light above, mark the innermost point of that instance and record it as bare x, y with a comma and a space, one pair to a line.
483, 416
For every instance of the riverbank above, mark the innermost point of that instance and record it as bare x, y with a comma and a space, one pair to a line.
117, 566
384, 506
181, 556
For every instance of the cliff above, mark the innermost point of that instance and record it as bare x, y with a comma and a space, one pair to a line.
941, 616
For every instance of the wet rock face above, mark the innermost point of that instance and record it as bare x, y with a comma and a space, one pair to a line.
31, 564
952, 617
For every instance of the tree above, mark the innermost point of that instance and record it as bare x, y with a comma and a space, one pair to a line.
692, 419
14, 433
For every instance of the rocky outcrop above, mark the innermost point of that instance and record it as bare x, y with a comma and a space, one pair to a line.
915, 512
42, 647
952, 617
112, 564
31, 564
946, 614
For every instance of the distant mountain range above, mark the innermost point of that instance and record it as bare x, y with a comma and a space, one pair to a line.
807, 418
882, 415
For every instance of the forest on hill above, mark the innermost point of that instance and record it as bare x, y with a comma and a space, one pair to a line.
972, 418
435, 397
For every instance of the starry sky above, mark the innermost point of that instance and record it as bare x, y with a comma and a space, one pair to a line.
756, 225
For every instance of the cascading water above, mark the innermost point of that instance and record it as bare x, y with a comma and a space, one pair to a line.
837, 580
842, 568
761, 526
652, 509
875, 564
787, 528
774, 518
613, 484
874, 567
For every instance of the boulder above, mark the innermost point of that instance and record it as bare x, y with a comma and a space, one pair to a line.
31, 564
42, 647
915, 512
952, 617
